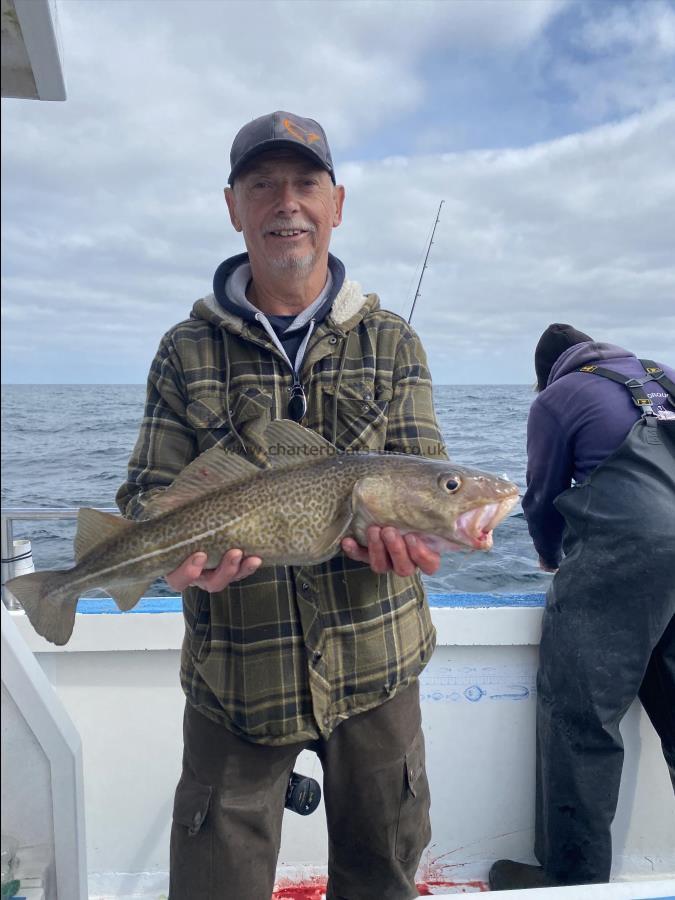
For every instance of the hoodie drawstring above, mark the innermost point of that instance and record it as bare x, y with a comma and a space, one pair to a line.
297, 389
296, 378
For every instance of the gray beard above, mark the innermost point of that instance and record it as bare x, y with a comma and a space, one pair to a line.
288, 262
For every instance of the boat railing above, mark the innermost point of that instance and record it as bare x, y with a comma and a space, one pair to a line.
9, 515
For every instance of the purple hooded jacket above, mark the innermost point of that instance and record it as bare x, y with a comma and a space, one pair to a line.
575, 424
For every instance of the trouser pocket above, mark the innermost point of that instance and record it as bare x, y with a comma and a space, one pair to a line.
191, 842
227, 813
413, 832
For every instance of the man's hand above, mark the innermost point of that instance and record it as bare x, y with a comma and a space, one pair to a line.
389, 550
233, 567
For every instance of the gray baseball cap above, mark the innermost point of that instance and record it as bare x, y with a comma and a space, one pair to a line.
280, 129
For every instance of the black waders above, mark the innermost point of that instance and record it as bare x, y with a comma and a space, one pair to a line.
608, 636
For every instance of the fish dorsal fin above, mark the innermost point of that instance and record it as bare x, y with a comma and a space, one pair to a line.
289, 444
94, 527
214, 469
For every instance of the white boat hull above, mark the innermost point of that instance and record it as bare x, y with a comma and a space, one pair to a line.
118, 681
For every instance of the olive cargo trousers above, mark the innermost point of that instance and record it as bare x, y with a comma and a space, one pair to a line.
229, 806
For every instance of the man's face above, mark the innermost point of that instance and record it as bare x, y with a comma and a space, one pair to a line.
286, 207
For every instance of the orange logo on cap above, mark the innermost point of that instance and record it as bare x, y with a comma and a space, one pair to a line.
307, 137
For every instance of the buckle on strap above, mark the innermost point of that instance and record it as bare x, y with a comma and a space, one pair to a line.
640, 399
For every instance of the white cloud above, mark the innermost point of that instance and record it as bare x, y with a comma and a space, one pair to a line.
174, 87
649, 26
114, 217
579, 229
621, 58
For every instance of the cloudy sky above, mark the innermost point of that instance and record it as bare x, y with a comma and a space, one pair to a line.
547, 127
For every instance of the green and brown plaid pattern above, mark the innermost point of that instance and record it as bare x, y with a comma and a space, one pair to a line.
289, 652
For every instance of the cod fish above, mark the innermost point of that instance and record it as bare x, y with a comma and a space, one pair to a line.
294, 512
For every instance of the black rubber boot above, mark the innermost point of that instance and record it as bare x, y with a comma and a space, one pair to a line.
507, 875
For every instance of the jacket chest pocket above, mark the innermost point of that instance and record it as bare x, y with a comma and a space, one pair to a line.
249, 414
356, 417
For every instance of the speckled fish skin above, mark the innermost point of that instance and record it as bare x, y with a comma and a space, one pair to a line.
286, 515
293, 514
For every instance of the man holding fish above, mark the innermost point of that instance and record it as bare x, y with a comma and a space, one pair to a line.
311, 630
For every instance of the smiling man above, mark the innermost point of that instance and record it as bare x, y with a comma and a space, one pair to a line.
280, 659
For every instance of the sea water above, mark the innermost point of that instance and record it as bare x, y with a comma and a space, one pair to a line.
68, 445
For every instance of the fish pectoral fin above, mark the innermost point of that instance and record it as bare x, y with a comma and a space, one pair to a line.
213, 469
364, 495
289, 444
329, 544
94, 527
127, 595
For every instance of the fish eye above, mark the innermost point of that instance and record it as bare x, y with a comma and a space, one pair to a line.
452, 484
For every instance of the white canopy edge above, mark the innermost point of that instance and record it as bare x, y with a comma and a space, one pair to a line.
31, 58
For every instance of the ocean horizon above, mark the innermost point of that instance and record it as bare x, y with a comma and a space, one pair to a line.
66, 445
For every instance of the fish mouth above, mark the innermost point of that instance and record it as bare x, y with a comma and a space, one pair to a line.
473, 528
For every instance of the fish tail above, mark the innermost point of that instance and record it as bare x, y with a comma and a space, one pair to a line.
51, 611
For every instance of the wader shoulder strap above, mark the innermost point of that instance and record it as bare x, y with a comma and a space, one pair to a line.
656, 372
634, 385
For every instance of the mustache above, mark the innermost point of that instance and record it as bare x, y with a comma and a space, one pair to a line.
289, 225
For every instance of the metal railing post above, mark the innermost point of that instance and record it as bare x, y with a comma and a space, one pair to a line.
7, 534
8, 514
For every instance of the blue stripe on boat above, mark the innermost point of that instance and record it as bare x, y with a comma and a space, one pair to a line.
98, 605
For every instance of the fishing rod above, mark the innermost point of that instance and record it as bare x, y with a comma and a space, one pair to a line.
419, 283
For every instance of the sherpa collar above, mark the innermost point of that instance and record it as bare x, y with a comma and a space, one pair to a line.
347, 307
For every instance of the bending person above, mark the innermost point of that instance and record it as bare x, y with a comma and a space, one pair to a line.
604, 421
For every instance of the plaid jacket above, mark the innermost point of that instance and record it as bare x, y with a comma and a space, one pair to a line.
286, 654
